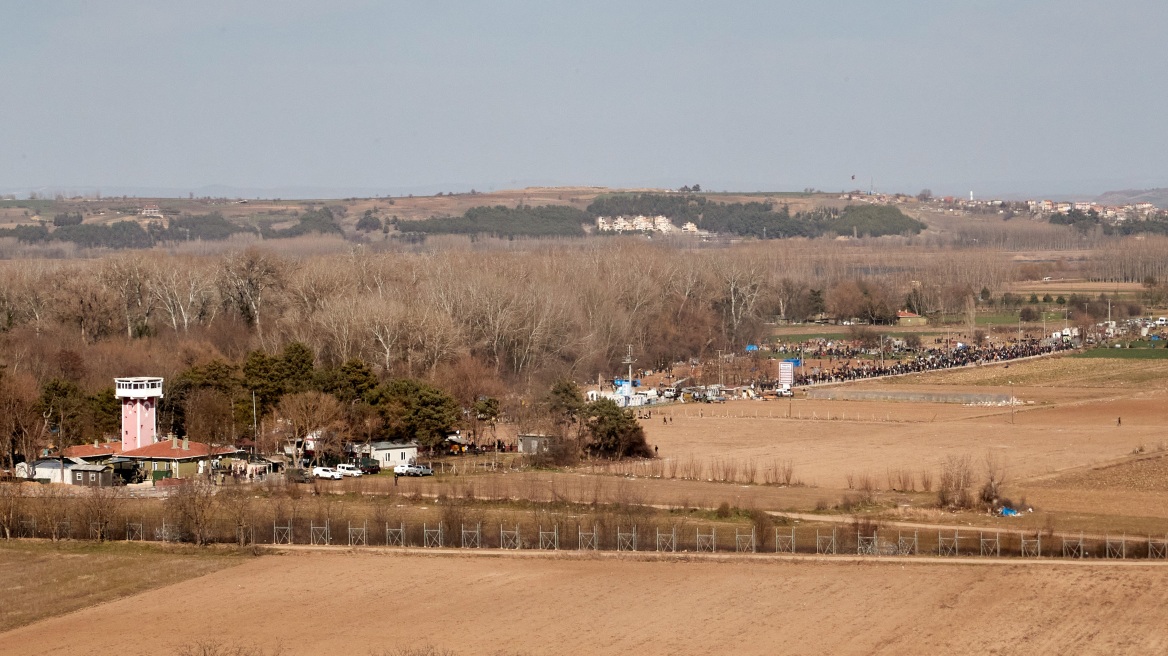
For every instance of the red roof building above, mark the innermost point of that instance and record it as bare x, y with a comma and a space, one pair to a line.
93, 451
175, 449
175, 458
906, 318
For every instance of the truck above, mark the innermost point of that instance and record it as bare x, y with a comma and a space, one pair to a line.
412, 469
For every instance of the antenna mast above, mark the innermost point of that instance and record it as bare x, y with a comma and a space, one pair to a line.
629, 361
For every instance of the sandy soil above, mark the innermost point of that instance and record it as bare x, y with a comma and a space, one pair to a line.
829, 439
317, 603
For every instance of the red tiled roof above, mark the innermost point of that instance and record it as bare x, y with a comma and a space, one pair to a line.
905, 314
175, 451
92, 451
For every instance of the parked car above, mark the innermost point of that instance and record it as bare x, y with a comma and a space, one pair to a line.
326, 473
349, 470
412, 470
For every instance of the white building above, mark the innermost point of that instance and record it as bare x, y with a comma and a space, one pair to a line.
389, 454
663, 224
47, 468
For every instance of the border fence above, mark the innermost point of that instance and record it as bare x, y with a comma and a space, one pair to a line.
657, 537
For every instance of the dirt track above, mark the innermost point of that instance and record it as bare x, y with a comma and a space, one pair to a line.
343, 603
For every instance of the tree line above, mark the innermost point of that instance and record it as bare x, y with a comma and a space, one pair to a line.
136, 235
500, 221
758, 219
475, 324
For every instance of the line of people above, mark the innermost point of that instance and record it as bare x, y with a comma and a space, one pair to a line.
930, 359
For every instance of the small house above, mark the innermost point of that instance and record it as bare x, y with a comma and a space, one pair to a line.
389, 454
533, 444
91, 475
908, 319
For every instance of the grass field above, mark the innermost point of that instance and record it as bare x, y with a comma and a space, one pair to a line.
44, 579
1125, 354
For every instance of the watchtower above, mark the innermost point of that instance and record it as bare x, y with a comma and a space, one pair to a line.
139, 397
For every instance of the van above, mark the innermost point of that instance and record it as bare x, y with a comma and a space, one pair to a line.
1162, 321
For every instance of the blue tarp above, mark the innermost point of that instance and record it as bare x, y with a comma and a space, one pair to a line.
1009, 512
750, 348
796, 361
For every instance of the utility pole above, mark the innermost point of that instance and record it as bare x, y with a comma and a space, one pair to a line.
1012, 404
721, 378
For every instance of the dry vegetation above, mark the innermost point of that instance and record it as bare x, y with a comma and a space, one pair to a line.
44, 579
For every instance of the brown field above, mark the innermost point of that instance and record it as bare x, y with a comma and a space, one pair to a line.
1068, 420
39, 579
315, 603
1072, 286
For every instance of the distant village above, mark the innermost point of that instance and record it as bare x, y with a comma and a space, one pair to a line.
641, 223
1114, 214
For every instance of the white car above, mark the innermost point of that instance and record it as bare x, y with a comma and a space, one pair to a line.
326, 473
349, 470
412, 470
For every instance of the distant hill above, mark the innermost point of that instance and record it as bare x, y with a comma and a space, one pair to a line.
1157, 197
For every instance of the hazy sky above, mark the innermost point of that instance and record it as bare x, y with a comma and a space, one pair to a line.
1015, 96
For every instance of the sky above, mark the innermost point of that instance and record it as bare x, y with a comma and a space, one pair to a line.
1025, 97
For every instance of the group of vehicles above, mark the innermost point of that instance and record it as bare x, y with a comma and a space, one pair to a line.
346, 470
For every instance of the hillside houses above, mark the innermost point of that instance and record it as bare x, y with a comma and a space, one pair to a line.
641, 223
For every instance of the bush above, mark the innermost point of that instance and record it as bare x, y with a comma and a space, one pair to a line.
953, 487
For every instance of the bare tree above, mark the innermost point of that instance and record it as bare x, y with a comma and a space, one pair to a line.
247, 282
192, 505
12, 507
312, 413
185, 290
130, 279
101, 507
85, 304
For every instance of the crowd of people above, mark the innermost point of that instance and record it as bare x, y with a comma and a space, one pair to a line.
849, 362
